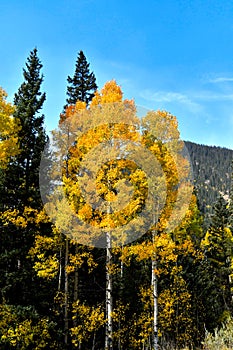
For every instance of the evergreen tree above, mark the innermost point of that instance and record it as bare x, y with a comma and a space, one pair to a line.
83, 84
230, 207
221, 214
23, 187
20, 189
218, 249
212, 175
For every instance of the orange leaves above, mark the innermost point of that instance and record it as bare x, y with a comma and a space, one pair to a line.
110, 180
85, 213
111, 92
71, 109
120, 171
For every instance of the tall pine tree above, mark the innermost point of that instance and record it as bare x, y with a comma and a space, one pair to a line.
218, 249
83, 84
21, 193
24, 171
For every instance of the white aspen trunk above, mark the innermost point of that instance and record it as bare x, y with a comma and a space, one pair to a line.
231, 290
154, 287
122, 270
60, 269
93, 343
109, 307
66, 322
108, 332
154, 284
121, 294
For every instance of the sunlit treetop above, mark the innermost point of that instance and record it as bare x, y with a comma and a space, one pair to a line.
8, 129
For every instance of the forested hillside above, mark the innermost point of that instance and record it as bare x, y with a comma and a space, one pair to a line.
77, 275
212, 169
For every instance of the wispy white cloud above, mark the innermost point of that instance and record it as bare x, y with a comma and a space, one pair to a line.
212, 96
221, 80
205, 115
193, 99
166, 97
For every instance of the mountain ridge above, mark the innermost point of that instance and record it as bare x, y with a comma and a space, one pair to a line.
212, 173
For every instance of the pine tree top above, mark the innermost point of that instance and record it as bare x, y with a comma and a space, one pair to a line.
29, 99
31, 135
83, 84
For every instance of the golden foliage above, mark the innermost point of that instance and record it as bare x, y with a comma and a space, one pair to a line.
8, 130
24, 334
89, 319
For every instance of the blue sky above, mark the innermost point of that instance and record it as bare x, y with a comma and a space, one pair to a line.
172, 55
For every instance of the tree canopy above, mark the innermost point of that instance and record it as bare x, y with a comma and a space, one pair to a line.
103, 240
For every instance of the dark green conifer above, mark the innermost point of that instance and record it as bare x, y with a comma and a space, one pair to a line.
32, 138
83, 84
20, 188
218, 252
220, 216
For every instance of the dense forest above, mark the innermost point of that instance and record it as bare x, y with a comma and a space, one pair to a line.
212, 169
162, 289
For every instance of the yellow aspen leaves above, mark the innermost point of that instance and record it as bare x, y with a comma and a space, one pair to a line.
8, 130
111, 92
89, 320
115, 167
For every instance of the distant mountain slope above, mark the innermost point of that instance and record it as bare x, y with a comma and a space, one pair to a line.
212, 169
